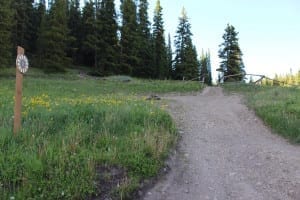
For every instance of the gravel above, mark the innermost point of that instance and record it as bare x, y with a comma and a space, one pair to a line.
226, 153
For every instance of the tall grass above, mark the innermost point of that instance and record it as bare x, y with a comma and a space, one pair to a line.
72, 127
279, 107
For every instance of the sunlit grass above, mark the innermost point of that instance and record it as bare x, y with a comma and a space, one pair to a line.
69, 127
279, 107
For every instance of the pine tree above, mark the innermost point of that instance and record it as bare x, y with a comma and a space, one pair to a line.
107, 42
88, 47
170, 57
54, 37
129, 38
22, 34
75, 27
231, 55
6, 16
39, 12
205, 68
160, 50
41, 30
209, 78
145, 52
186, 62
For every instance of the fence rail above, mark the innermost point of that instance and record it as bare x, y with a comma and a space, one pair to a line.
259, 81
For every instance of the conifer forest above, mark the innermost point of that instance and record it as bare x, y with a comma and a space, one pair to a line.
109, 39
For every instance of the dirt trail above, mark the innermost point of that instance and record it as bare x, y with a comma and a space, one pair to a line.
226, 153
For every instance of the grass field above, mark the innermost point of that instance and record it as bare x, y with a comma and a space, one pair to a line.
81, 135
279, 107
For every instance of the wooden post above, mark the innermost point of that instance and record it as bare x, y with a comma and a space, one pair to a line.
18, 96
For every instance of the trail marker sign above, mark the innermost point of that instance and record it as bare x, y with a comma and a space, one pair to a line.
21, 68
22, 63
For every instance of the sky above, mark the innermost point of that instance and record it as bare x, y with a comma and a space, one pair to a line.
269, 30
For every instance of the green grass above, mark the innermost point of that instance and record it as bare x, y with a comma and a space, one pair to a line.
279, 107
72, 126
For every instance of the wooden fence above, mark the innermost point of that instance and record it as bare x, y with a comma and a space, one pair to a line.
260, 79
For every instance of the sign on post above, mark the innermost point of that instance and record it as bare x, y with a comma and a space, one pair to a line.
21, 68
22, 63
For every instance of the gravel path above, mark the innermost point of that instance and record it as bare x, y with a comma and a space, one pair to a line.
226, 153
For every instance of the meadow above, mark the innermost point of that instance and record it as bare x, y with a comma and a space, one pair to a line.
278, 107
83, 137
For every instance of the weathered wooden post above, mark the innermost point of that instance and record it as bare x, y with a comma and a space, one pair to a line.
21, 67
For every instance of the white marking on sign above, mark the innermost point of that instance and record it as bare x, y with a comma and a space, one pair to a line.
22, 63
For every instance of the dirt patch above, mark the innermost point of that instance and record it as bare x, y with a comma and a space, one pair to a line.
111, 178
226, 153
108, 178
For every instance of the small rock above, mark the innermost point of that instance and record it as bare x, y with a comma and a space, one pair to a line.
186, 191
149, 193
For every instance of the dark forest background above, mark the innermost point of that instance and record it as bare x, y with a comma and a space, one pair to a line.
64, 34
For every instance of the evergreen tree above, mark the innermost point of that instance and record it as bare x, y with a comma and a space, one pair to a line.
41, 30
23, 30
231, 55
191, 71
6, 16
209, 77
170, 57
107, 41
205, 68
88, 47
219, 78
129, 38
39, 12
75, 27
160, 50
186, 62
54, 37
144, 68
